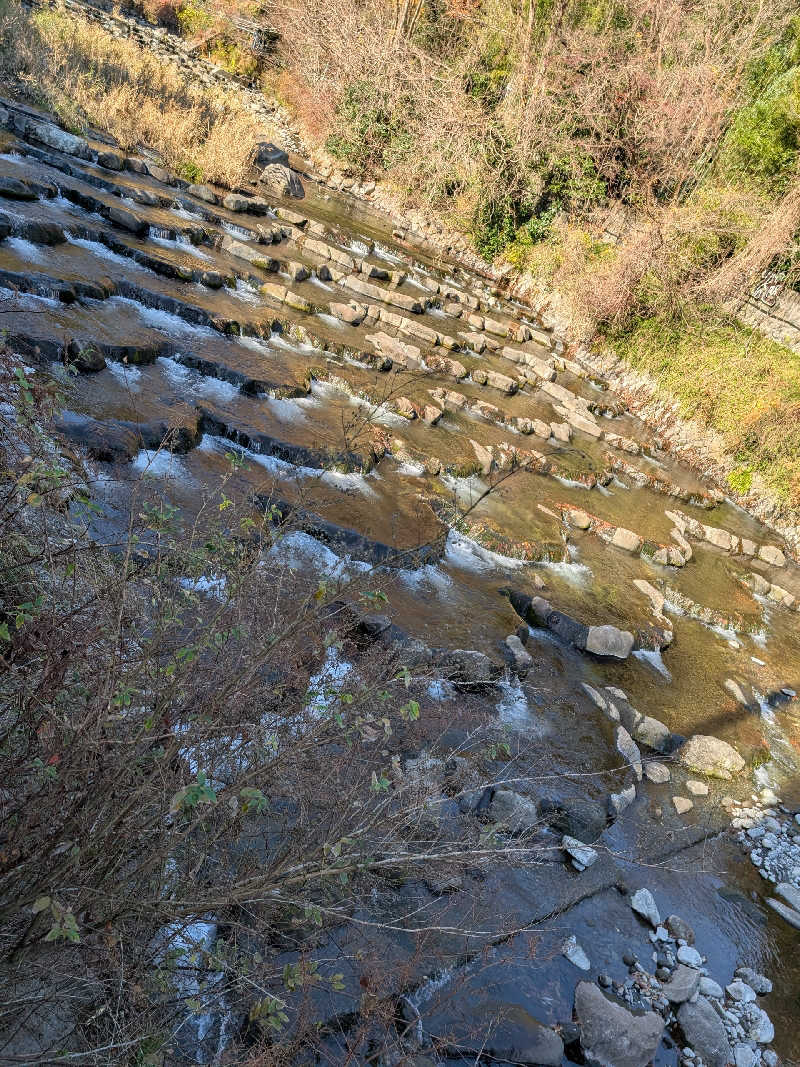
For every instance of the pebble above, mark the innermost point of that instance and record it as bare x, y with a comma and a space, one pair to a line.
682, 804
769, 1058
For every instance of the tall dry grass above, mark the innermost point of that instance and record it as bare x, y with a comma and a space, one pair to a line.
90, 78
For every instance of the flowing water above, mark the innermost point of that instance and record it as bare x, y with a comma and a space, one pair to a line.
188, 338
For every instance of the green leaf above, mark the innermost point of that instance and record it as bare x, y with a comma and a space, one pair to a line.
40, 904
4, 633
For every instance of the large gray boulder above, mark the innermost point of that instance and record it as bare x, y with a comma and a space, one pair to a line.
266, 153
705, 1033
611, 1036
282, 180
711, 756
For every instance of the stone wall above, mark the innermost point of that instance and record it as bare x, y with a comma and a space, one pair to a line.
774, 310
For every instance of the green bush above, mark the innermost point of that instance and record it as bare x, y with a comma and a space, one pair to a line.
369, 131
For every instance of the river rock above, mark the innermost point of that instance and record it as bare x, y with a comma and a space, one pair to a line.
611, 1036
711, 756
626, 540
127, 220
110, 160
740, 992
282, 180
697, 789
237, 204
14, 189
682, 805
572, 951
629, 750
609, 641
204, 193
680, 929
351, 313
683, 984
62, 141
619, 802
756, 981
522, 658
744, 1056
689, 956
643, 904
657, 773
710, 988
760, 1027
772, 555
705, 1032
518, 814
585, 855
579, 818
266, 153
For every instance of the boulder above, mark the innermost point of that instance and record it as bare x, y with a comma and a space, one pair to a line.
682, 805
110, 160
611, 1036
711, 756
683, 984
585, 855
267, 153
609, 641
619, 802
772, 555
705, 1032
14, 189
282, 180
60, 140
680, 929
516, 813
522, 658
237, 204
626, 540
204, 193
160, 174
657, 773
351, 313
127, 220
579, 818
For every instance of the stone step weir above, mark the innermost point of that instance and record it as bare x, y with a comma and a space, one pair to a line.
455, 390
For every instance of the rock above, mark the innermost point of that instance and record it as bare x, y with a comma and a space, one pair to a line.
756, 981
761, 1029
611, 1036
283, 180
744, 1056
579, 519
680, 929
266, 153
643, 904
160, 174
689, 956
585, 855
145, 197
740, 992
769, 1058
682, 805
583, 819
705, 1032
127, 220
40, 232
629, 750
710, 988
62, 141
683, 984
237, 204
516, 813
351, 313
575, 954
626, 539
790, 893
110, 160
431, 414
618, 802
204, 193
609, 641
657, 773
710, 756
212, 279
522, 658
653, 733
772, 555
697, 789
14, 189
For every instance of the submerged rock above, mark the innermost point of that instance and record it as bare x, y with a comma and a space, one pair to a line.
705, 1032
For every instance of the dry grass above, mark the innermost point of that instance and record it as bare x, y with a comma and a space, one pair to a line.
89, 78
